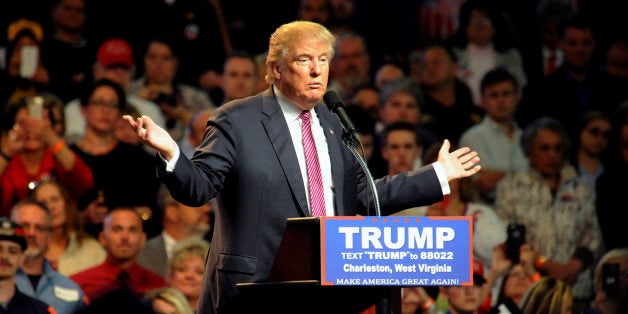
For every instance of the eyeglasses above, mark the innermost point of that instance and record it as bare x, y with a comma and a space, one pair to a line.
104, 104
599, 132
38, 228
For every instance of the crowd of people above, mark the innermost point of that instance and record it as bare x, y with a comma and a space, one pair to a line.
92, 227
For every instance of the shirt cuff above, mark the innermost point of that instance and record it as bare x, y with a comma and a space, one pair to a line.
442, 177
170, 164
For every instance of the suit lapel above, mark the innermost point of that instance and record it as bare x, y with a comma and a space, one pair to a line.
277, 130
334, 143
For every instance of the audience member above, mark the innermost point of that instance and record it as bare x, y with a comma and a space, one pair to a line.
260, 69
69, 54
186, 268
113, 163
483, 43
611, 283
33, 152
401, 147
160, 83
568, 92
387, 72
610, 89
36, 277
556, 206
438, 20
365, 127
24, 77
115, 62
448, 110
318, 11
194, 132
179, 222
402, 100
497, 137
350, 67
239, 76
12, 246
548, 295
122, 237
367, 97
93, 208
468, 299
167, 300
608, 192
593, 135
71, 248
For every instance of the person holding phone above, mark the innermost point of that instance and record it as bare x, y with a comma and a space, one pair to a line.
611, 283
32, 151
25, 70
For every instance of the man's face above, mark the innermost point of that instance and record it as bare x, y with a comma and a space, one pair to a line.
239, 78
577, 46
499, 101
463, 299
352, 63
400, 107
36, 224
122, 235
400, 151
547, 153
303, 73
10, 259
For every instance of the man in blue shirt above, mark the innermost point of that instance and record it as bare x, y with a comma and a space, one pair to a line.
36, 277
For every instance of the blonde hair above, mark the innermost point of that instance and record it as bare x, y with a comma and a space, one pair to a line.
190, 247
171, 296
291, 33
547, 296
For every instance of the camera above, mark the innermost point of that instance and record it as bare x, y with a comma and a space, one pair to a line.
611, 279
516, 238
169, 99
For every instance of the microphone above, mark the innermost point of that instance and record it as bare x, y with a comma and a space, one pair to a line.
350, 137
335, 105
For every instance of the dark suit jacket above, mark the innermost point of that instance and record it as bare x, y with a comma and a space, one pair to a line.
247, 160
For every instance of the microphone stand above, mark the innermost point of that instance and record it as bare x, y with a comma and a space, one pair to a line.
383, 305
349, 139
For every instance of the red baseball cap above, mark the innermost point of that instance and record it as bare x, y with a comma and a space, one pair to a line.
115, 51
478, 273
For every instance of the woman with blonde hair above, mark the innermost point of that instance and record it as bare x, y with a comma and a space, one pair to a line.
547, 296
186, 268
167, 300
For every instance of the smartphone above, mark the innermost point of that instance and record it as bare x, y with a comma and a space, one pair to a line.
516, 237
35, 107
29, 61
610, 279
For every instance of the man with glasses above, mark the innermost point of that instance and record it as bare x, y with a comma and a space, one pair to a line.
36, 277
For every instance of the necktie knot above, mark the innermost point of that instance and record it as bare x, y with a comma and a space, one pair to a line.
305, 115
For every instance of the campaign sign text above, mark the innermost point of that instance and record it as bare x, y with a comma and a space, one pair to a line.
396, 251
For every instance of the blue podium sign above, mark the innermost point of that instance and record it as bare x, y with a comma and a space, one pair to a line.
396, 251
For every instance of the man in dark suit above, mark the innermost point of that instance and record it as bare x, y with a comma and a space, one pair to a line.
252, 161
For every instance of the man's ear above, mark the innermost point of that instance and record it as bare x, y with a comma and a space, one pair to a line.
275, 68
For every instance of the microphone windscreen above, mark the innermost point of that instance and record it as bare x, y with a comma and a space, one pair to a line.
332, 100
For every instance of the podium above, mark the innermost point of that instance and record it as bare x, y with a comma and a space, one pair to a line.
294, 283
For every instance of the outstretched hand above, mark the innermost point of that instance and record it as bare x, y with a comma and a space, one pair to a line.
153, 135
460, 163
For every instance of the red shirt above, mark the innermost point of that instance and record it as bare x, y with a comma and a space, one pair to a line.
98, 280
14, 180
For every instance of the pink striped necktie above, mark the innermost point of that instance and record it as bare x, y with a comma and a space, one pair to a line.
314, 177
